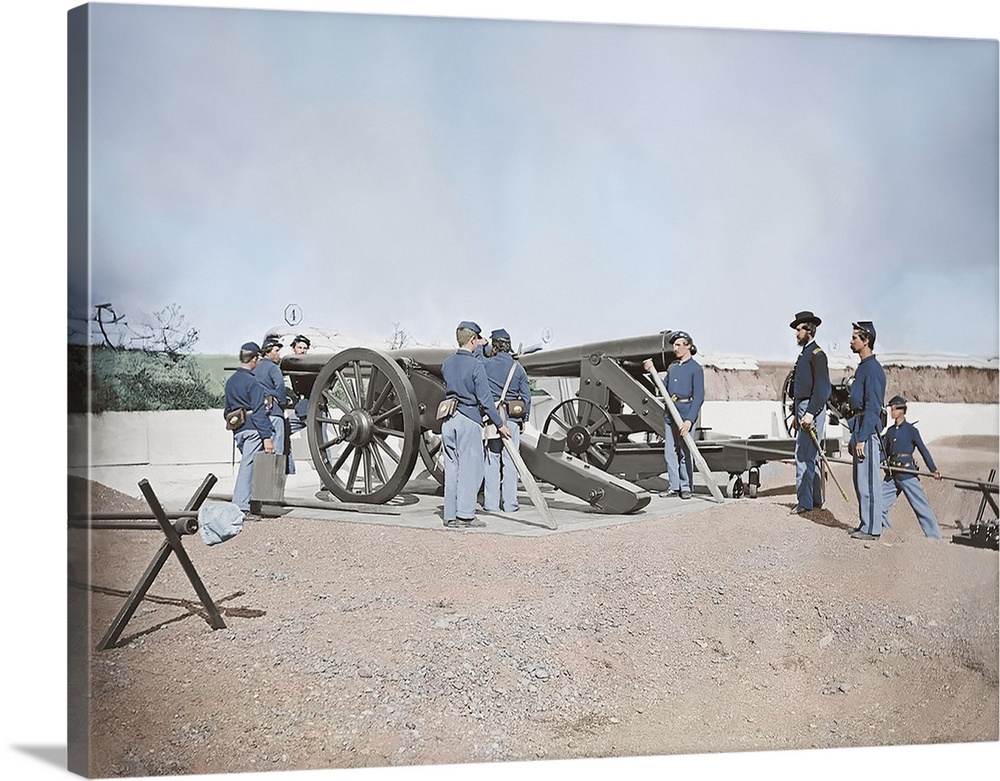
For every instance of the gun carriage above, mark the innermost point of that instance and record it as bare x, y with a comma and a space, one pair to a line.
371, 416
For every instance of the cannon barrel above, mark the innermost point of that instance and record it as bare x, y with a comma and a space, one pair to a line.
566, 361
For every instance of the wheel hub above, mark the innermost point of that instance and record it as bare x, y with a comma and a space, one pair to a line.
577, 440
357, 427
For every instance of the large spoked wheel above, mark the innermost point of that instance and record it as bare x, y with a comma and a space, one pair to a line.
432, 454
788, 405
588, 429
363, 425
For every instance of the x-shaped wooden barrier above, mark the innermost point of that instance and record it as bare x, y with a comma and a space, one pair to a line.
172, 544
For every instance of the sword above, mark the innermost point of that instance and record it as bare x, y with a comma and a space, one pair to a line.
826, 463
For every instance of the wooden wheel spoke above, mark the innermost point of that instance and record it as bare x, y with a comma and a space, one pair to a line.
376, 404
360, 380
351, 391
328, 443
560, 423
353, 474
331, 399
379, 442
387, 414
335, 467
383, 433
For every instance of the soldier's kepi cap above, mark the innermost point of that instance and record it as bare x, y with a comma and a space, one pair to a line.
250, 347
675, 335
269, 344
804, 317
303, 339
500, 333
865, 326
471, 326
896, 401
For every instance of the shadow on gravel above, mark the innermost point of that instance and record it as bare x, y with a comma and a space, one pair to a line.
193, 608
826, 518
781, 490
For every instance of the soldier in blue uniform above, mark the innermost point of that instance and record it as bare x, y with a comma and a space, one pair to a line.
685, 382
810, 390
502, 371
269, 375
299, 412
901, 439
462, 434
867, 396
243, 391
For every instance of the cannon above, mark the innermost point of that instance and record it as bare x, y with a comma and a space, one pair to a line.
371, 416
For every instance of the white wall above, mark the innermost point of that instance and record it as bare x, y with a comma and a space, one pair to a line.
200, 436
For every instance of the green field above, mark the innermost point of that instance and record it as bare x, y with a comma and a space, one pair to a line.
215, 367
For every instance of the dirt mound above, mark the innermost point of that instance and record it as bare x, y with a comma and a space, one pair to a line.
735, 628
85, 496
982, 442
952, 384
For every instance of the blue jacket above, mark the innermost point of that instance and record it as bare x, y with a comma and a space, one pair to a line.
900, 442
243, 391
867, 397
271, 379
811, 379
465, 379
497, 369
686, 380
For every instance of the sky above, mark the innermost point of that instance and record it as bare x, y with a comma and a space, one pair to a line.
569, 181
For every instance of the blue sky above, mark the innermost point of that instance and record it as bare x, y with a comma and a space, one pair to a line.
591, 179
595, 180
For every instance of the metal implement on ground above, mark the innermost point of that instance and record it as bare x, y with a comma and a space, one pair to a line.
982, 533
706, 473
826, 463
528, 481
986, 484
371, 416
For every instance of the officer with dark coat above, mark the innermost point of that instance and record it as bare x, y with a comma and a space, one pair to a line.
243, 391
512, 394
900, 440
462, 433
867, 396
811, 390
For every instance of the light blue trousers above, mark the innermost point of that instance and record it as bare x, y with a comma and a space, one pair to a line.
249, 442
868, 485
462, 443
278, 435
500, 485
680, 462
808, 485
909, 485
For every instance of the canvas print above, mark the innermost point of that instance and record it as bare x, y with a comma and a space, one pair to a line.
449, 391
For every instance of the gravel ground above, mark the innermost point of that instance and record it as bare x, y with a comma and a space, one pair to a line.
734, 628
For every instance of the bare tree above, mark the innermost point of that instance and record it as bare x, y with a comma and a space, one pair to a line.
169, 334
400, 337
103, 311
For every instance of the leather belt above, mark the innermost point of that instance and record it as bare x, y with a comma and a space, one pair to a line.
675, 398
